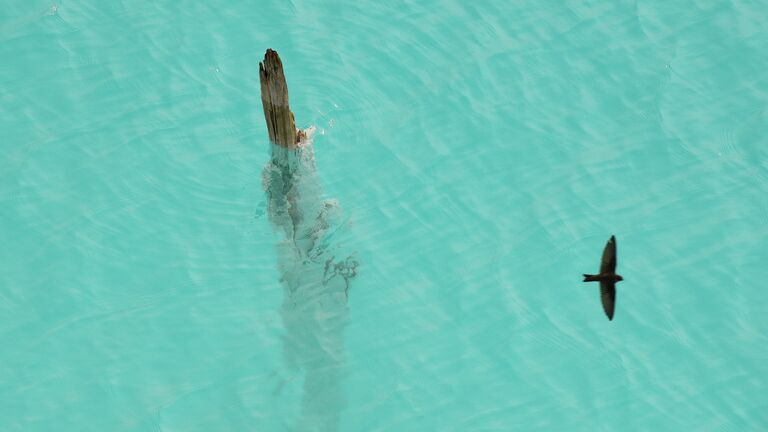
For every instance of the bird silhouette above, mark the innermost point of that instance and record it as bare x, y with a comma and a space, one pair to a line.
607, 278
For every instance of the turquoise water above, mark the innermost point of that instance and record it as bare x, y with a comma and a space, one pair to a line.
481, 154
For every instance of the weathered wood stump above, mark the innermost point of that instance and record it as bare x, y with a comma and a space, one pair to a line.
274, 97
315, 284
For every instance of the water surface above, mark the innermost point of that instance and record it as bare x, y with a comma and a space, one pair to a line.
481, 155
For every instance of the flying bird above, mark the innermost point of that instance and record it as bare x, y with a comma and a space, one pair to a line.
607, 278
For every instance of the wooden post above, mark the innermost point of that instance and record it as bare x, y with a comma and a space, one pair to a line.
274, 97
315, 283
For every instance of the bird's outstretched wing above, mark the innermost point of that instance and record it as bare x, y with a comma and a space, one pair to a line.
608, 263
608, 297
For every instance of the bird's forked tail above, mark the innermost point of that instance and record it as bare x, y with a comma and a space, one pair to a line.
591, 278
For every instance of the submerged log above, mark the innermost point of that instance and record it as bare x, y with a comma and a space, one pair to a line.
315, 283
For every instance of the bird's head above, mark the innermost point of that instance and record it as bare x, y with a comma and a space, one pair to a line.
619, 278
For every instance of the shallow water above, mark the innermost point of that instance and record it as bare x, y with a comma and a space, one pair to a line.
481, 155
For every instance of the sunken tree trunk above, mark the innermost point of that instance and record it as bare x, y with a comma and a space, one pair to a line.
315, 283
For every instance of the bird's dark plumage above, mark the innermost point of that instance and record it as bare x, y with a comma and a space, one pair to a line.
608, 297
607, 278
608, 262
